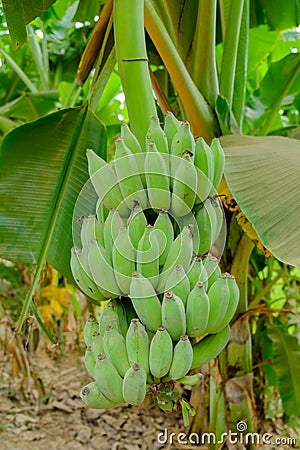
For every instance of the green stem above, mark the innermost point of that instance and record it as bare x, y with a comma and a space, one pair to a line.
102, 78
133, 65
201, 117
230, 50
266, 290
38, 57
277, 103
19, 72
203, 57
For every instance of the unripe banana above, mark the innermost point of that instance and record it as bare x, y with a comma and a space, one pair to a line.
204, 161
182, 141
111, 228
161, 353
173, 315
147, 259
84, 282
157, 135
145, 301
137, 345
233, 302
101, 212
171, 127
128, 175
109, 317
115, 349
105, 183
206, 220
93, 397
165, 234
88, 232
220, 217
103, 274
197, 272
219, 163
182, 359
184, 186
123, 256
211, 265
178, 283
89, 327
219, 296
134, 385
197, 311
120, 309
97, 344
181, 252
130, 140
108, 380
190, 380
209, 347
136, 224
89, 361
157, 178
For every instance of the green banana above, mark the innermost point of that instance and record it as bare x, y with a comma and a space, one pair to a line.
190, 380
157, 135
161, 353
233, 302
123, 256
128, 175
147, 259
220, 216
134, 385
130, 140
219, 164
157, 178
115, 349
109, 317
204, 162
108, 380
209, 347
182, 141
105, 183
197, 311
97, 344
173, 315
89, 361
111, 228
88, 232
182, 359
219, 297
178, 283
165, 234
120, 309
84, 282
145, 302
171, 127
89, 327
93, 397
206, 221
102, 271
137, 344
211, 265
184, 186
197, 272
136, 224
180, 252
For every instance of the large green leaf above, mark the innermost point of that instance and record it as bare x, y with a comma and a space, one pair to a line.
263, 175
43, 169
286, 366
19, 13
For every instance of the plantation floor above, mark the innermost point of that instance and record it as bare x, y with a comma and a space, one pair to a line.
43, 411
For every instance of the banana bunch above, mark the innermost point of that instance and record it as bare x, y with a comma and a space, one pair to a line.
146, 254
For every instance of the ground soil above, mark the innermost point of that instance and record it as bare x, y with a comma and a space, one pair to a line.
43, 411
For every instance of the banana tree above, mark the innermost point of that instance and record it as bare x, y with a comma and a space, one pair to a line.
201, 61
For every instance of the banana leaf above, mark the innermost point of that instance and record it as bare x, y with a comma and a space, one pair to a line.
262, 174
43, 169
